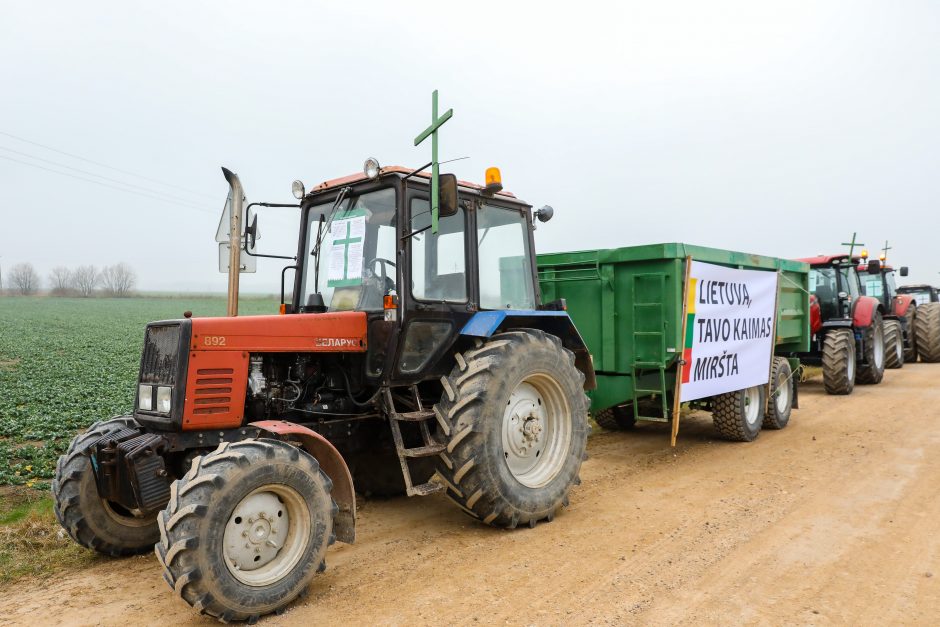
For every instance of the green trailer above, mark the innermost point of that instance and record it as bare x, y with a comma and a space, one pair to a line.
627, 305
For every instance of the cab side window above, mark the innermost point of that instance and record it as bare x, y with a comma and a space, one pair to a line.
438, 261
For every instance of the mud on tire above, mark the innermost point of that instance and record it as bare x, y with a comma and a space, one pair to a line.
927, 332
872, 370
781, 395
839, 361
738, 416
894, 344
88, 519
487, 387
202, 530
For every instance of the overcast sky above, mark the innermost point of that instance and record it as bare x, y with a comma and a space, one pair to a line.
769, 127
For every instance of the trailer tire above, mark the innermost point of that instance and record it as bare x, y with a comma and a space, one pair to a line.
516, 393
781, 395
738, 416
90, 520
282, 492
927, 332
894, 344
618, 418
872, 369
910, 351
839, 362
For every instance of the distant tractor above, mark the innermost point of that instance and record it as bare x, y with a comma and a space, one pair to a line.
848, 335
900, 312
414, 354
927, 328
921, 293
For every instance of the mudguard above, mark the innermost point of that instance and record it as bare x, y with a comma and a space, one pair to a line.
558, 323
332, 463
902, 304
864, 311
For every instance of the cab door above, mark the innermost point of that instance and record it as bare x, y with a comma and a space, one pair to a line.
437, 292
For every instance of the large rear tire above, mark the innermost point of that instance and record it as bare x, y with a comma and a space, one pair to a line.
738, 416
517, 414
894, 344
246, 529
778, 411
927, 332
910, 348
619, 418
90, 520
838, 361
872, 368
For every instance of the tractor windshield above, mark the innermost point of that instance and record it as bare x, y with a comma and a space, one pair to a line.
353, 266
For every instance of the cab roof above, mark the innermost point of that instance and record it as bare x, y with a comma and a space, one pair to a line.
400, 171
826, 260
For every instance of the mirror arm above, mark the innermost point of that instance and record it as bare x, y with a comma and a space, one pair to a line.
248, 220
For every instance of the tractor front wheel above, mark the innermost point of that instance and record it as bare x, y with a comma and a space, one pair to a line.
838, 361
89, 519
873, 368
517, 414
894, 344
927, 332
246, 529
910, 348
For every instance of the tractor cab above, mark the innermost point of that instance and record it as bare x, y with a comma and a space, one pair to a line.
835, 287
921, 293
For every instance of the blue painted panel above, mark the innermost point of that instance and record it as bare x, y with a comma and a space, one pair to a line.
485, 323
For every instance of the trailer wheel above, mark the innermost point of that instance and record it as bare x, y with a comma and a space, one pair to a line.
927, 332
781, 395
518, 428
910, 349
838, 361
894, 344
738, 416
90, 520
619, 418
872, 370
246, 529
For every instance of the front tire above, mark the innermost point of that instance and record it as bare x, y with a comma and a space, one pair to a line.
781, 395
910, 349
90, 520
246, 529
738, 416
894, 344
518, 428
839, 362
873, 369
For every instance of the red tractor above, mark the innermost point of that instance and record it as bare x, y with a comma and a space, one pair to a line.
927, 322
848, 333
414, 351
900, 312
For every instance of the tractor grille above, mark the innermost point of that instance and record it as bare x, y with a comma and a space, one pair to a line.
160, 361
213, 391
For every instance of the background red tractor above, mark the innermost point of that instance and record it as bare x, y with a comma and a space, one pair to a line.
927, 322
900, 312
847, 327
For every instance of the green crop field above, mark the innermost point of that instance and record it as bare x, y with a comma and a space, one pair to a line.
67, 362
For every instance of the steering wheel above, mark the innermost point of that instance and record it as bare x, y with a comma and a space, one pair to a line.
389, 283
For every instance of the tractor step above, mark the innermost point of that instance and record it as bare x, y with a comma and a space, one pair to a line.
424, 451
413, 416
424, 489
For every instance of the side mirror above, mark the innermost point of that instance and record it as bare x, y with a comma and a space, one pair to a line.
251, 234
874, 266
447, 190
904, 271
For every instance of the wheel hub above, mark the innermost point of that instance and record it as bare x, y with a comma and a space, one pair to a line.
256, 531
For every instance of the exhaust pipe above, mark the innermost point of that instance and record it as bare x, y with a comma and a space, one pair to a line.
236, 194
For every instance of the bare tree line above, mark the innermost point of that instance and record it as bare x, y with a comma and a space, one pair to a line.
85, 281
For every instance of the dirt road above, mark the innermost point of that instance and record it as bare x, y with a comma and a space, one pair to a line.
835, 520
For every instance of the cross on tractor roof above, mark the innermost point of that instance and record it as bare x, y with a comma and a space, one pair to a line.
436, 123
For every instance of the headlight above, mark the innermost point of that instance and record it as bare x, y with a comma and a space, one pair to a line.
371, 167
145, 397
164, 395
297, 189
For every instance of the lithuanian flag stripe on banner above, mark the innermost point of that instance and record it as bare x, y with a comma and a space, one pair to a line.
689, 331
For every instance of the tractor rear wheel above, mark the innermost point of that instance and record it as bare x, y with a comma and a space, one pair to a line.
89, 519
927, 332
872, 370
619, 418
738, 416
894, 344
781, 395
839, 362
517, 414
246, 529
910, 349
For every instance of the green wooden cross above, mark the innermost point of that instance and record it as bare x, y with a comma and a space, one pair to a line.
436, 123
852, 245
885, 250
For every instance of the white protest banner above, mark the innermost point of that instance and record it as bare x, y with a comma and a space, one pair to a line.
729, 329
